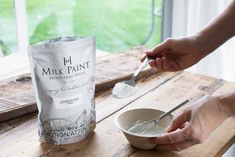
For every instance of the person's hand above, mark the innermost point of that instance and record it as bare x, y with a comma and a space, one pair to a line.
176, 54
193, 125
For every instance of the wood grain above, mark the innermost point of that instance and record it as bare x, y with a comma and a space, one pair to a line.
108, 137
105, 97
17, 98
106, 105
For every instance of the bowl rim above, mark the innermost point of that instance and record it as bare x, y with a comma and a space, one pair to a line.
133, 134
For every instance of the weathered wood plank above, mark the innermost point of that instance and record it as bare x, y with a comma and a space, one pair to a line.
8, 125
108, 137
17, 98
216, 144
103, 101
105, 97
107, 104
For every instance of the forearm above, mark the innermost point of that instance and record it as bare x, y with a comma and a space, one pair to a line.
218, 31
228, 103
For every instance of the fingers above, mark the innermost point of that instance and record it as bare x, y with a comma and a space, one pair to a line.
161, 48
176, 146
178, 121
176, 140
160, 63
166, 45
163, 139
176, 136
164, 64
153, 65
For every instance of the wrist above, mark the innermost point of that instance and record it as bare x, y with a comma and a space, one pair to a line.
227, 103
201, 42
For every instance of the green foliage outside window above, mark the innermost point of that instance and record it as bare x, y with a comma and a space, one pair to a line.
116, 24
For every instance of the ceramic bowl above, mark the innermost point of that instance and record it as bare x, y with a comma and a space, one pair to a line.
129, 118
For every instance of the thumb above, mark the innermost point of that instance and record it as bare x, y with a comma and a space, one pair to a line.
161, 48
178, 121
145, 55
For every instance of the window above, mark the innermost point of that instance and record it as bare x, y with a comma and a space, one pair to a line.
8, 41
117, 24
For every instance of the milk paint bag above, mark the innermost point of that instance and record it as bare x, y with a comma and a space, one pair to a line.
63, 74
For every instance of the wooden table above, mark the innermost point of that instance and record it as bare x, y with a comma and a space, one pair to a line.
18, 137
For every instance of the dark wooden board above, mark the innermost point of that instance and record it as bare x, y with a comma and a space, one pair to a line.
17, 97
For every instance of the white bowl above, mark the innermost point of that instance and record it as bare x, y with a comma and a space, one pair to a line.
129, 118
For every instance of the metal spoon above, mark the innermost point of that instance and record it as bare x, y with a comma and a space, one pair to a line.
127, 88
145, 126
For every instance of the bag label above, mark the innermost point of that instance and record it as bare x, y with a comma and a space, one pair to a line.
63, 76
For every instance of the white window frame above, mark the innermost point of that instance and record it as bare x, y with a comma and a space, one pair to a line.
167, 19
21, 25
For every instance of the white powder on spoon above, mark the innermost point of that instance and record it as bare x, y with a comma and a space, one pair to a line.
123, 90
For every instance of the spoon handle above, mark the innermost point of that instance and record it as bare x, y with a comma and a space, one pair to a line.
141, 67
172, 110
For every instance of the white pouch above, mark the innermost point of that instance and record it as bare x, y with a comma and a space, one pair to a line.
63, 75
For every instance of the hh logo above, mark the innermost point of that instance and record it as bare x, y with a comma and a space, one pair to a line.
67, 60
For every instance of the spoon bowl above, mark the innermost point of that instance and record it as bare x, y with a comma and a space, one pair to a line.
127, 88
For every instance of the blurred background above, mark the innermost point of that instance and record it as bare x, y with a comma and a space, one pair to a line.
116, 24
